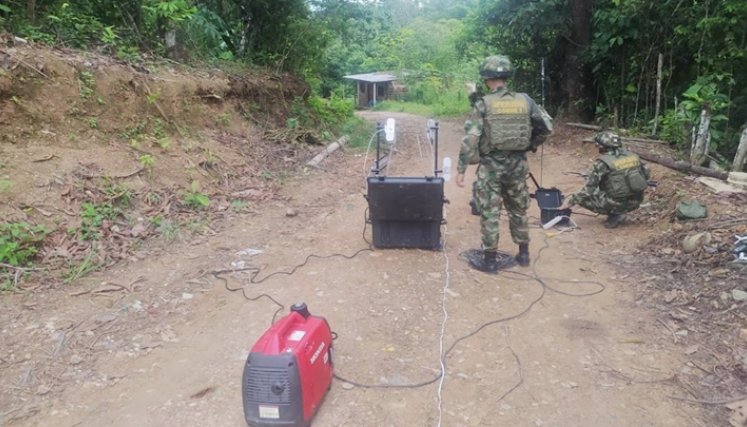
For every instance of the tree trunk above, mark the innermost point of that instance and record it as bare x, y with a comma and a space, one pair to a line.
699, 149
741, 157
31, 11
135, 11
576, 74
658, 94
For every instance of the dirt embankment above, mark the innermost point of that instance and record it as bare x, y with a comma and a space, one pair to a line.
104, 154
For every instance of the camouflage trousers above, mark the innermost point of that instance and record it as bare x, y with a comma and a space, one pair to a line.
502, 180
600, 203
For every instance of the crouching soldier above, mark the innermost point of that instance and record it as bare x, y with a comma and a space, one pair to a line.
615, 184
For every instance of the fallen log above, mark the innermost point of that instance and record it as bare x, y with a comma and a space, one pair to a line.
646, 140
635, 141
584, 126
331, 148
669, 162
623, 138
680, 165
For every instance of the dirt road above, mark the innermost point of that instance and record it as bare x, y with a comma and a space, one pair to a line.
596, 360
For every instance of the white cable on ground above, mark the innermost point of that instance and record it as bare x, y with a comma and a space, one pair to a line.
554, 222
441, 355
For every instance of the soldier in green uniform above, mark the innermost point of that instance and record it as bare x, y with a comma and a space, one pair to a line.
503, 126
615, 184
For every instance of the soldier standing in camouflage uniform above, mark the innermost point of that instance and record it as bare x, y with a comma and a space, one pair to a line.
503, 126
615, 184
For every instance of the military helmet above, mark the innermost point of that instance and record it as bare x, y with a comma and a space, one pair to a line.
608, 139
497, 66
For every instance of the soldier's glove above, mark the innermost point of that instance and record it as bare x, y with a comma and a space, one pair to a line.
474, 97
533, 146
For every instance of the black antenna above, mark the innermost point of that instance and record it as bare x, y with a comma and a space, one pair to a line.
542, 148
436, 170
379, 129
542, 83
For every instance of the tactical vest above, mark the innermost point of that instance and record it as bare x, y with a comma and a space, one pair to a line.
506, 124
626, 177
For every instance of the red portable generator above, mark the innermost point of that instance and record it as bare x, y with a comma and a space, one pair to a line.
288, 372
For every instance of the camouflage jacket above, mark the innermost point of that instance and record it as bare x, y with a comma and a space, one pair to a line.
593, 181
473, 130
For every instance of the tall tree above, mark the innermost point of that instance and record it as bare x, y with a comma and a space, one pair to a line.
576, 82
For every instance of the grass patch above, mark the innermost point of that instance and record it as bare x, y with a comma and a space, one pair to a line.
195, 198
405, 107
359, 131
6, 185
20, 241
92, 218
88, 265
448, 107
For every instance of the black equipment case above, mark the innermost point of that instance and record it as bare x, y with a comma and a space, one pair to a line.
549, 200
406, 212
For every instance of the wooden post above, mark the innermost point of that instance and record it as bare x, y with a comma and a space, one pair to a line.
658, 94
698, 153
741, 157
615, 117
374, 93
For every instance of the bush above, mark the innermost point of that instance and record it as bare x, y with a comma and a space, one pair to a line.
675, 128
19, 242
332, 111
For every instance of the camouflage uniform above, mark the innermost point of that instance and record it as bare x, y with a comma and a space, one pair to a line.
501, 175
595, 199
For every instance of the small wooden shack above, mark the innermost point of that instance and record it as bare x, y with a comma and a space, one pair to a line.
373, 88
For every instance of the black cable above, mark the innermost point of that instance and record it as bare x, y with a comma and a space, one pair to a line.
505, 261
535, 277
281, 307
365, 224
256, 270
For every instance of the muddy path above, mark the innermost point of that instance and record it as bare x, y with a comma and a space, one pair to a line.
171, 350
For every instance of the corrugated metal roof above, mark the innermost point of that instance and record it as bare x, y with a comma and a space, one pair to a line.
372, 77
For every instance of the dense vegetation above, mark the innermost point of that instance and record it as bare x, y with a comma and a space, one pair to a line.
603, 61
601, 56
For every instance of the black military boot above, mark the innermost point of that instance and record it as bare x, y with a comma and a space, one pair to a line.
613, 220
522, 258
486, 264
